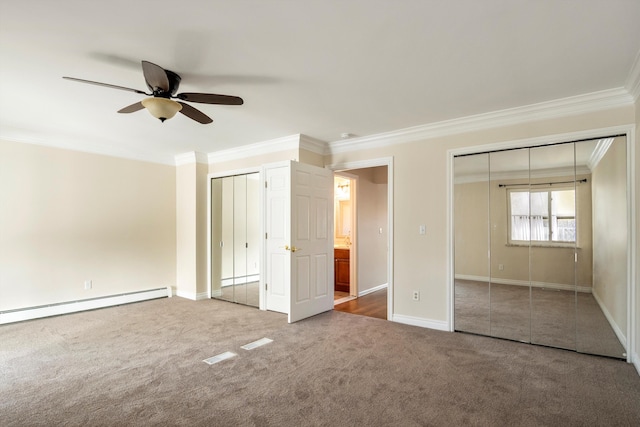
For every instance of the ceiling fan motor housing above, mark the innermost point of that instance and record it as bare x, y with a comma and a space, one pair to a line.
174, 84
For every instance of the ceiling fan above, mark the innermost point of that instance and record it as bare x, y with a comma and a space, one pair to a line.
163, 85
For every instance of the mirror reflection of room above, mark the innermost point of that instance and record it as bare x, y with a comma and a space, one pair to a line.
541, 245
236, 238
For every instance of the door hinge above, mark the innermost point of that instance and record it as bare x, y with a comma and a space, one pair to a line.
246, 245
266, 286
576, 257
265, 184
266, 236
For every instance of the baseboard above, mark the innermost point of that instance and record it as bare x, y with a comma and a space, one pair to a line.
30, 313
614, 325
636, 362
374, 289
439, 325
558, 286
240, 280
192, 295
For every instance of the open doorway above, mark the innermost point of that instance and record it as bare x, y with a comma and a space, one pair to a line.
344, 237
362, 235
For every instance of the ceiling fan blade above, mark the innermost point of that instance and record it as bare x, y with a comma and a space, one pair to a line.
106, 85
195, 114
210, 98
155, 76
132, 108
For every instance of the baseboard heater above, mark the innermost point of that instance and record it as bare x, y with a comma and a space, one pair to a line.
28, 313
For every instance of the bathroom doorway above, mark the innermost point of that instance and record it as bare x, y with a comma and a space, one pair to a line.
363, 239
345, 223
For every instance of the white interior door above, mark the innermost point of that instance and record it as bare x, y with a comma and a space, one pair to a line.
299, 240
311, 245
278, 230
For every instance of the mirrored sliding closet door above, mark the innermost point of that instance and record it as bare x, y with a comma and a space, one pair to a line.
541, 245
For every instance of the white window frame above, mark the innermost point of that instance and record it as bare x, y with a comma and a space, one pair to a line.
549, 242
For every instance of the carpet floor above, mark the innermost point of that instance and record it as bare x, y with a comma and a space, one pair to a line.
142, 364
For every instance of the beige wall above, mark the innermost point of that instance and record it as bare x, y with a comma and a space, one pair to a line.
610, 233
420, 197
191, 226
372, 215
68, 216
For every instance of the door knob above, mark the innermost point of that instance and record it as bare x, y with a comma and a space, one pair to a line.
292, 248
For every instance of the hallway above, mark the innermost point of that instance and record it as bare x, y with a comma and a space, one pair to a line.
370, 305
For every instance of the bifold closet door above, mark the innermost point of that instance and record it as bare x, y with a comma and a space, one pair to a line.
471, 224
509, 281
240, 239
602, 297
235, 237
552, 213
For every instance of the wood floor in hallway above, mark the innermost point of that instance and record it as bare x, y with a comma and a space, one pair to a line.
370, 305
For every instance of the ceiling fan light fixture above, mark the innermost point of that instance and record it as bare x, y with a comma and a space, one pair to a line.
161, 108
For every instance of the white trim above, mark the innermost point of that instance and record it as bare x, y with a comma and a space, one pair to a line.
103, 148
632, 84
598, 153
240, 280
632, 298
514, 282
311, 144
565, 107
388, 162
290, 142
234, 172
374, 289
612, 323
193, 295
343, 300
629, 131
190, 157
440, 325
30, 313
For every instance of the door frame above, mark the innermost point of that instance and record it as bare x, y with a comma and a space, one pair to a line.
629, 132
224, 174
361, 164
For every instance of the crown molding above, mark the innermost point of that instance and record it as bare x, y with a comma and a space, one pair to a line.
291, 142
190, 157
632, 85
591, 102
598, 153
83, 146
314, 145
278, 144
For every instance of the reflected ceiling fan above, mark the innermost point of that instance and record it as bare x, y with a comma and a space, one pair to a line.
163, 85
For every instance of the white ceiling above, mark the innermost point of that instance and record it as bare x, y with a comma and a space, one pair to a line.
316, 67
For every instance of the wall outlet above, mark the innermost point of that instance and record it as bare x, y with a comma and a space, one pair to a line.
87, 285
422, 229
416, 296
501, 267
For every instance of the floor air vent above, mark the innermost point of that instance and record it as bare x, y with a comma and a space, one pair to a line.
256, 344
